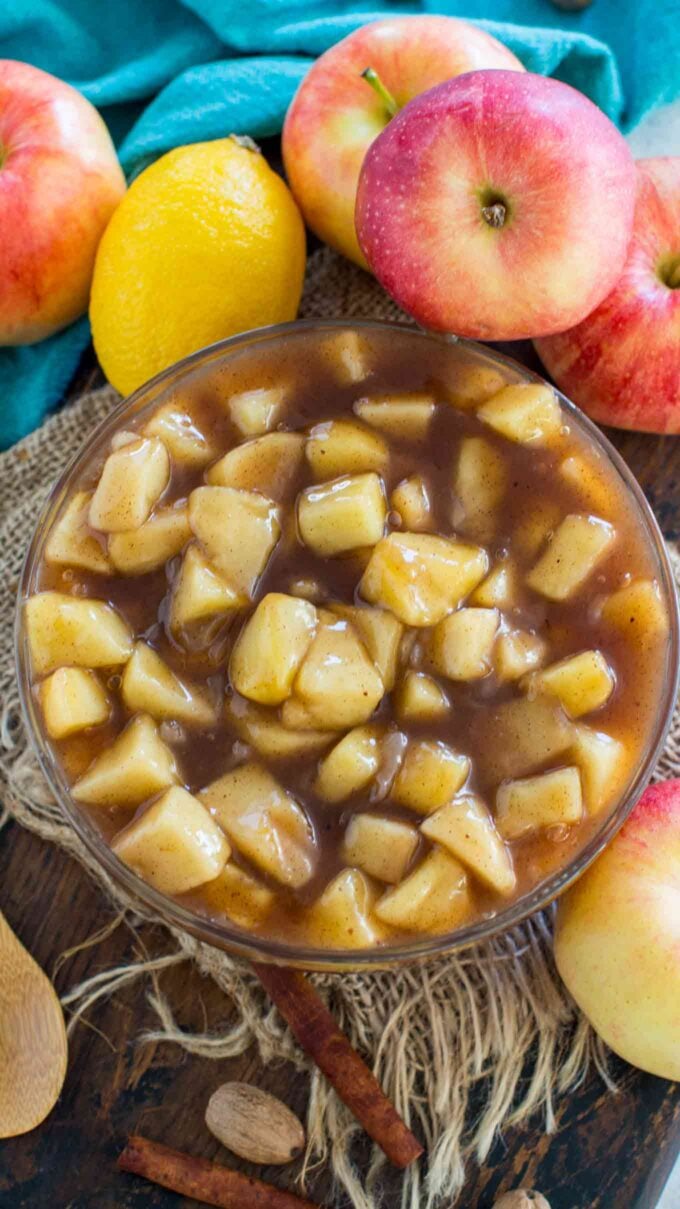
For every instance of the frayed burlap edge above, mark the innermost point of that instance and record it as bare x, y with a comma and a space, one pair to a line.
492, 1026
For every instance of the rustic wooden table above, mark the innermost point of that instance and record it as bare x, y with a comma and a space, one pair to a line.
609, 1152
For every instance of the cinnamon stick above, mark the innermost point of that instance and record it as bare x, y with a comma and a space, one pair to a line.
202, 1180
315, 1029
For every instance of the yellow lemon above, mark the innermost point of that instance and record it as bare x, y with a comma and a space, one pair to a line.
206, 242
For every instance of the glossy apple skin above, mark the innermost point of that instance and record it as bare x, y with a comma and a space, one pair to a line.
564, 173
617, 939
60, 181
335, 114
622, 363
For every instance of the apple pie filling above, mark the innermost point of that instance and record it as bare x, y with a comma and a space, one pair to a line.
352, 638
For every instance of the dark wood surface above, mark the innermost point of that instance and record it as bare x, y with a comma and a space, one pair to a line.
609, 1152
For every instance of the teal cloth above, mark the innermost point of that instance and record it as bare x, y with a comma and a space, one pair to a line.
166, 72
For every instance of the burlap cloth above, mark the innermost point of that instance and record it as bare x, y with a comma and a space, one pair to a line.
494, 1023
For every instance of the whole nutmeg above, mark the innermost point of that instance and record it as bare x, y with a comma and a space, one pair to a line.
522, 1198
254, 1125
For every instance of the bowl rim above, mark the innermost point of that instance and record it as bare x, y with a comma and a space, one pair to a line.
252, 947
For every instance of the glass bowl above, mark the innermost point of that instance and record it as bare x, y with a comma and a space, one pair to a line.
233, 939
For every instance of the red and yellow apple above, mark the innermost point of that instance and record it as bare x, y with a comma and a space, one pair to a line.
60, 181
336, 114
617, 939
498, 205
622, 363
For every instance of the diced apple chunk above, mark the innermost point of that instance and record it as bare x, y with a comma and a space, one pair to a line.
136, 766
466, 829
72, 699
526, 412
238, 529
264, 822
64, 629
381, 847
548, 800
349, 354
71, 544
242, 898
518, 652
405, 417
338, 685
269, 464
519, 736
343, 514
262, 729
637, 611
342, 917
200, 592
573, 552
420, 577
174, 845
149, 686
271, 647
604, 764
462, 644
590, 481
474, 384
254, 412
342, 447
500, 588
479, 484
380, 633
581, 683
139, 551
434, 898
418, 698
296, 716
430, 774
351, 765
411, 500
176, 427
132, 481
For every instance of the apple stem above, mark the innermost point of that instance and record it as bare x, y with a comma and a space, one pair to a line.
370, 75
495, 215
245, 141
674, 276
